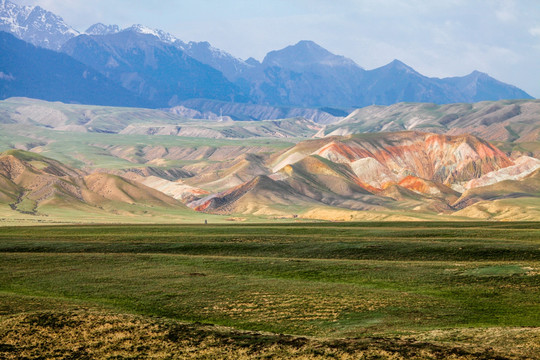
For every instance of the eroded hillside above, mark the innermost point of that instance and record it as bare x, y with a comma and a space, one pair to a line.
275, 169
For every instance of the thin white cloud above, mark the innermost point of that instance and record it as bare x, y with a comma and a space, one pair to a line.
535, 31
8, 77
506, 11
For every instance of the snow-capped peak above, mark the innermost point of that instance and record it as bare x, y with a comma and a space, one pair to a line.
160, 34
35, 25
216, 53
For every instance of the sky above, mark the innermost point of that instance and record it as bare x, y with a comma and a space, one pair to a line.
438, 38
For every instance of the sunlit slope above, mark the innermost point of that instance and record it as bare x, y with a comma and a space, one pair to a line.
409, 173
506, 120
529, 186
385, 158
260, 196
34, 184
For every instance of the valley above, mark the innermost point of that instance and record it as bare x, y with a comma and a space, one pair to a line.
162, 198
414, 164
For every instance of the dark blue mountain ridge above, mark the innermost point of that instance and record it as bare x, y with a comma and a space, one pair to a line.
163, 71
308, 75
479, 86
153, 69
304, 74
304, 54
398, 82
30, 71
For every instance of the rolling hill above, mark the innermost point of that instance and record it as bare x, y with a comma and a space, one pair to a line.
446, 159
33, 184
267, 168
421, 172
137, 121
512, 120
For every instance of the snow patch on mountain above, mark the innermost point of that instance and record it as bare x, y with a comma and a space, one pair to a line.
35, 25
160, 34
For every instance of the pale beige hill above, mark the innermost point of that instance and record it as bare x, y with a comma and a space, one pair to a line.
194, 153
81, 118
219, 176
284, 128
17, 165
333, 214
115, 188
506, 120
135, 121
513, 189
523, 166
520, 209
172, 174
30, 180
34, 184
297, 153
173, 130
175, 189
260, 196
332, 184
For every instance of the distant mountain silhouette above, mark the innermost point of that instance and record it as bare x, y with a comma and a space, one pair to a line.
163, 70
308, 75
153, 69
39, 73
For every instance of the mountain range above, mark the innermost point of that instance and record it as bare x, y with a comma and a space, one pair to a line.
45, 74
159, 70
35, 25
154, 70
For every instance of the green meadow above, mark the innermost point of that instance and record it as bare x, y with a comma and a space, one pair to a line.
422, 289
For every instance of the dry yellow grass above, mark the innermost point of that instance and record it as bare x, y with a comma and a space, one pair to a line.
86, 334
334, 214
524, 209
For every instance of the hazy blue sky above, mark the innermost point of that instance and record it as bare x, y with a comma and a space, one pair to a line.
436, 37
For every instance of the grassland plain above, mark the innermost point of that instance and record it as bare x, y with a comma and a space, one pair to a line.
345, 290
